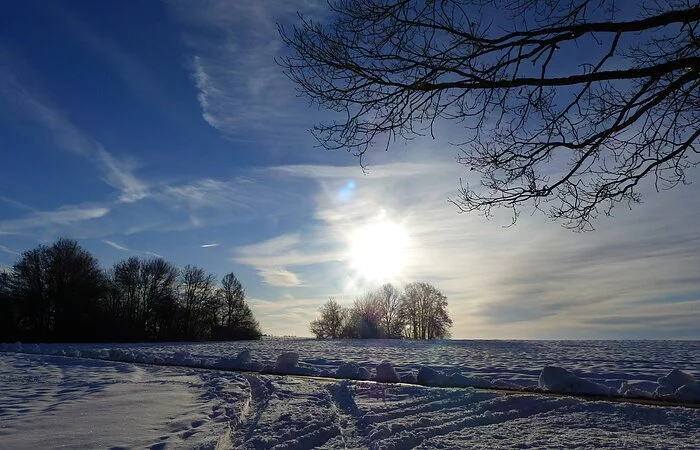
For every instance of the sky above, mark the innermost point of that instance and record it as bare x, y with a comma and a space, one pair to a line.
166, 129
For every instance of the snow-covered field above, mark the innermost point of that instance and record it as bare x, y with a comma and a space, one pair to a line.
49, 401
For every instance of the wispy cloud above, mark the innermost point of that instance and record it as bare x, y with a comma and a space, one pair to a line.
210, 245
16, 204
117, 173
233, 47
634, 277
126, 249
8, 250
66, 215
279, 277
273, 257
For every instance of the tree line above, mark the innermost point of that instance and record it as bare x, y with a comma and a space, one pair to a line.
59, 293
417, 312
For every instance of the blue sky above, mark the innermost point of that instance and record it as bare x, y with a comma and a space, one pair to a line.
167, 129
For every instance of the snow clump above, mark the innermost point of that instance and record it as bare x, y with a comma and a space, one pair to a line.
428, 376
348, 370
386, 373
287, 362
364, 373
630, 390
689, 392
672, 381
557, 379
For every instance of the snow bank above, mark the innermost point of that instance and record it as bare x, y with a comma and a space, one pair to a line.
557, 379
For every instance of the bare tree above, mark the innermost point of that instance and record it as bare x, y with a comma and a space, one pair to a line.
197, 290
57, 290
424, 311
237, 318
389, 298
568, 105
368, 309
142, 296
330, 324
233, 298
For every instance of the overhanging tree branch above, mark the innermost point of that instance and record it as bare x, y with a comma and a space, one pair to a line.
577, 134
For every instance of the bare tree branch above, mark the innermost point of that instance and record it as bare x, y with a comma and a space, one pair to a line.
568, 104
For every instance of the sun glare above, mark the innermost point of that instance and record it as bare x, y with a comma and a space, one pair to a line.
378, 250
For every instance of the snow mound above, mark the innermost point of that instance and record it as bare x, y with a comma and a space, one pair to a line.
676, 378
557, 379
428, 376
117, 354
630, 390
689, 392
243, 357
409, 378
364, 373
459, 380
287, 362
33, 348
348, 370
672, 381
386, 373
241, 361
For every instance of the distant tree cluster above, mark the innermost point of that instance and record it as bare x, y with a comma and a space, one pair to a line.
417, 312
59, 293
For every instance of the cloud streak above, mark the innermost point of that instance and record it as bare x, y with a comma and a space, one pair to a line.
118, 174
120, 247
233, 46
8, 250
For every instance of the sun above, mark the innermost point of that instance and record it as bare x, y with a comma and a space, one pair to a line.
378, 250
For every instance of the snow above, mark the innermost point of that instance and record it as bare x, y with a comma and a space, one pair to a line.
689, 392
556, 379
54, 401
287, 362
386, 373
348, 370
617, 368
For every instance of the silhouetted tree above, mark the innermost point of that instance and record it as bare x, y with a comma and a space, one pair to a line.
197, 291
58, 291
571, 104
233, 300
419, 312
369, 313
389, 299
142, 295
8, 312
330, 324
424, 312
237, 320
351, 324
